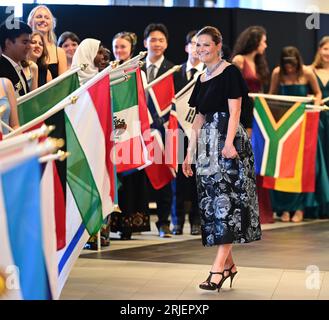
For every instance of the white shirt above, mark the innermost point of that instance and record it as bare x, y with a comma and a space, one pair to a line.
156, 64
18, 69
189, 66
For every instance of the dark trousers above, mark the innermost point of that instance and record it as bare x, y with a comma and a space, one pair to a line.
133, 200
163, 199
186, 190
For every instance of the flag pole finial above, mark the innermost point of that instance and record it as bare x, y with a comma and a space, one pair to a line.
74, 99
57, 143
63, 155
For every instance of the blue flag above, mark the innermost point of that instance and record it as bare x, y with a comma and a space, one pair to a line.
21, 197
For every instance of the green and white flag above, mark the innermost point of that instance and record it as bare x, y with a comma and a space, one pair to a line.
38, 102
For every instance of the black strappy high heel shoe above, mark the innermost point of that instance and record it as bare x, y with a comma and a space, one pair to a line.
208, 285
231, 274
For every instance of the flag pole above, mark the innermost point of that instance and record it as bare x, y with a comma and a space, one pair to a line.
114, 74
315, 107
282, 98
155, 81
4, 124
99, 246
43, 148
49, 84
18, 141
140, 56
70, 99
182, 91
60, 156
123, 79
325, 100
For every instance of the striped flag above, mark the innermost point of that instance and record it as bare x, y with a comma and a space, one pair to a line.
185, 113
90, 171
277, 129
37, 103
34, 105
160, 105
131, 123
304, 176
23, 272
47, 191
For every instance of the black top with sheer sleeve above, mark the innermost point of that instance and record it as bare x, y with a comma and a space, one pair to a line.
212, 95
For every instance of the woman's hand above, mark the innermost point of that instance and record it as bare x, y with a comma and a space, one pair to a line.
229, 152
186, 166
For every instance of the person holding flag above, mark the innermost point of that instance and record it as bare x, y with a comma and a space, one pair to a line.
186, 188
15, 45
132, 194
156, 42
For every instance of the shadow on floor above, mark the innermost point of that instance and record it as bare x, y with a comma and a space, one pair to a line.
286, 248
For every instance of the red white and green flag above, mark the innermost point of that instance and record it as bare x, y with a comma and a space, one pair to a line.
131, 123
90, 190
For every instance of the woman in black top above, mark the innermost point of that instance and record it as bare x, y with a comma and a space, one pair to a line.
42, 19
39, 54
225, 163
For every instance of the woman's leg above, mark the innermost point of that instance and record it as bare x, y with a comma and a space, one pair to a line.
219, 262
230, 262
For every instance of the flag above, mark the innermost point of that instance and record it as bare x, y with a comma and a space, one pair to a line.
172, 137
276, 134
90, 171
185, 113
304, 176
130, 122
160, 104
32, 106
40, 103
23, 271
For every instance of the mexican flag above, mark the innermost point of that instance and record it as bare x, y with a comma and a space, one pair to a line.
131, 123
90, 171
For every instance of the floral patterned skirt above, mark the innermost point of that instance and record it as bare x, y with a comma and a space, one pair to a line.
226, 187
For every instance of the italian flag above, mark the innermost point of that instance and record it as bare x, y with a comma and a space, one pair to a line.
90, 171
131, 123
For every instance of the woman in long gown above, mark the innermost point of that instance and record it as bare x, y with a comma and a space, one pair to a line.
292, 78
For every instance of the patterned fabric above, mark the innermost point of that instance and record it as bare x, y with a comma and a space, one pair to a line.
226, 188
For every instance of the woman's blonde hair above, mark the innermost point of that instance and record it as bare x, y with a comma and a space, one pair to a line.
51, 35
318, 63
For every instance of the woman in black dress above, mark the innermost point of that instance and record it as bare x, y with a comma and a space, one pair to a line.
225, 163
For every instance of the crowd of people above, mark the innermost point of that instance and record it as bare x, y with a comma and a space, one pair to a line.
32, 56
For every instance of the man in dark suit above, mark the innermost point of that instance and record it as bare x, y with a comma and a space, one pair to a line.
156, 42
192, 67
15, 45
186, 188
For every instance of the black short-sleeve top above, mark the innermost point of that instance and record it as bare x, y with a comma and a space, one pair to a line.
212, 95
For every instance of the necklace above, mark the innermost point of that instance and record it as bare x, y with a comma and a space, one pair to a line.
209, 72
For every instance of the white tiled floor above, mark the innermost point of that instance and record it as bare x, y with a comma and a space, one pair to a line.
131, 280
